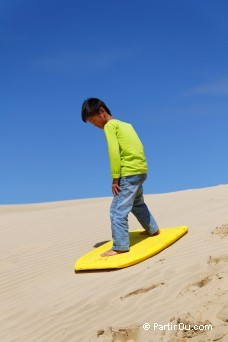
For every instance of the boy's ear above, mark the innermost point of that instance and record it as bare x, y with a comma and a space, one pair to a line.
101, 110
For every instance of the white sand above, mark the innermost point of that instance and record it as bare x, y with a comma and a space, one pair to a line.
42, 299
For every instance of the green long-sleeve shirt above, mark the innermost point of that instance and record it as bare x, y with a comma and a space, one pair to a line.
126, 152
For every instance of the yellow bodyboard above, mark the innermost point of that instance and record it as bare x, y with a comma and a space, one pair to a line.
141, 248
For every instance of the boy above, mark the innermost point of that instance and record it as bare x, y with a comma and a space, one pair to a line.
128, 170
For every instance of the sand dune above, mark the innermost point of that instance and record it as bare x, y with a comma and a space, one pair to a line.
42, 299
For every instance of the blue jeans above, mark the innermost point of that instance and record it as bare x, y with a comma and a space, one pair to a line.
129, 199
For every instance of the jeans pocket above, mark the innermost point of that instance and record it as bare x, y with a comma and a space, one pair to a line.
136, 179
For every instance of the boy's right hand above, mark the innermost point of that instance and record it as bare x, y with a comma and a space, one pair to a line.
115, 186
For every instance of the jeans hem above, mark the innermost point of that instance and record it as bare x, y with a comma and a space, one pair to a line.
120, 248
153, 231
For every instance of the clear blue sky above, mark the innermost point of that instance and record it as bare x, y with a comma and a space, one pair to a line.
160, 65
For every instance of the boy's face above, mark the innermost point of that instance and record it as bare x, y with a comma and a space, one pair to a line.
98, 120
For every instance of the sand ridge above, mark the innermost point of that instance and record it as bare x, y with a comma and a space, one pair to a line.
42, 299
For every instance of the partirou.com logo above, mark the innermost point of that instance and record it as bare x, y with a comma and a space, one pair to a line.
179, 326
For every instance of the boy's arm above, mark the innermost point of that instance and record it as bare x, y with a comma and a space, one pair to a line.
113, 150
114, 156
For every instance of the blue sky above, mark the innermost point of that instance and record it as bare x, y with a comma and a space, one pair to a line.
160, 65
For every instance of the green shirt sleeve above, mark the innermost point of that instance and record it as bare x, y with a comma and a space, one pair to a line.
113, 150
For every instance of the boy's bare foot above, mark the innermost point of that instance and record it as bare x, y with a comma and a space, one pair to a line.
145, 232
111, 252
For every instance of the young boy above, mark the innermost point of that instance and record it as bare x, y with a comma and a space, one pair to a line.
128, 170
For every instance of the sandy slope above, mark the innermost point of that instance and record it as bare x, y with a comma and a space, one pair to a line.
42, 299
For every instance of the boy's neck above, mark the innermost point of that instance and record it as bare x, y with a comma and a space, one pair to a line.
109, 117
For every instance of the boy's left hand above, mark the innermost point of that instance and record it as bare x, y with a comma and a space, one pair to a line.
115, 186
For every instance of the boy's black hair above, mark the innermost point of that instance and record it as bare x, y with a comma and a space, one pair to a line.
91, 106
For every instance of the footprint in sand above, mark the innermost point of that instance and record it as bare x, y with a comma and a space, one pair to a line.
126, 334
222, 230
203, 282
217, 260
188, 330
141, 290
199, 284
138, 291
